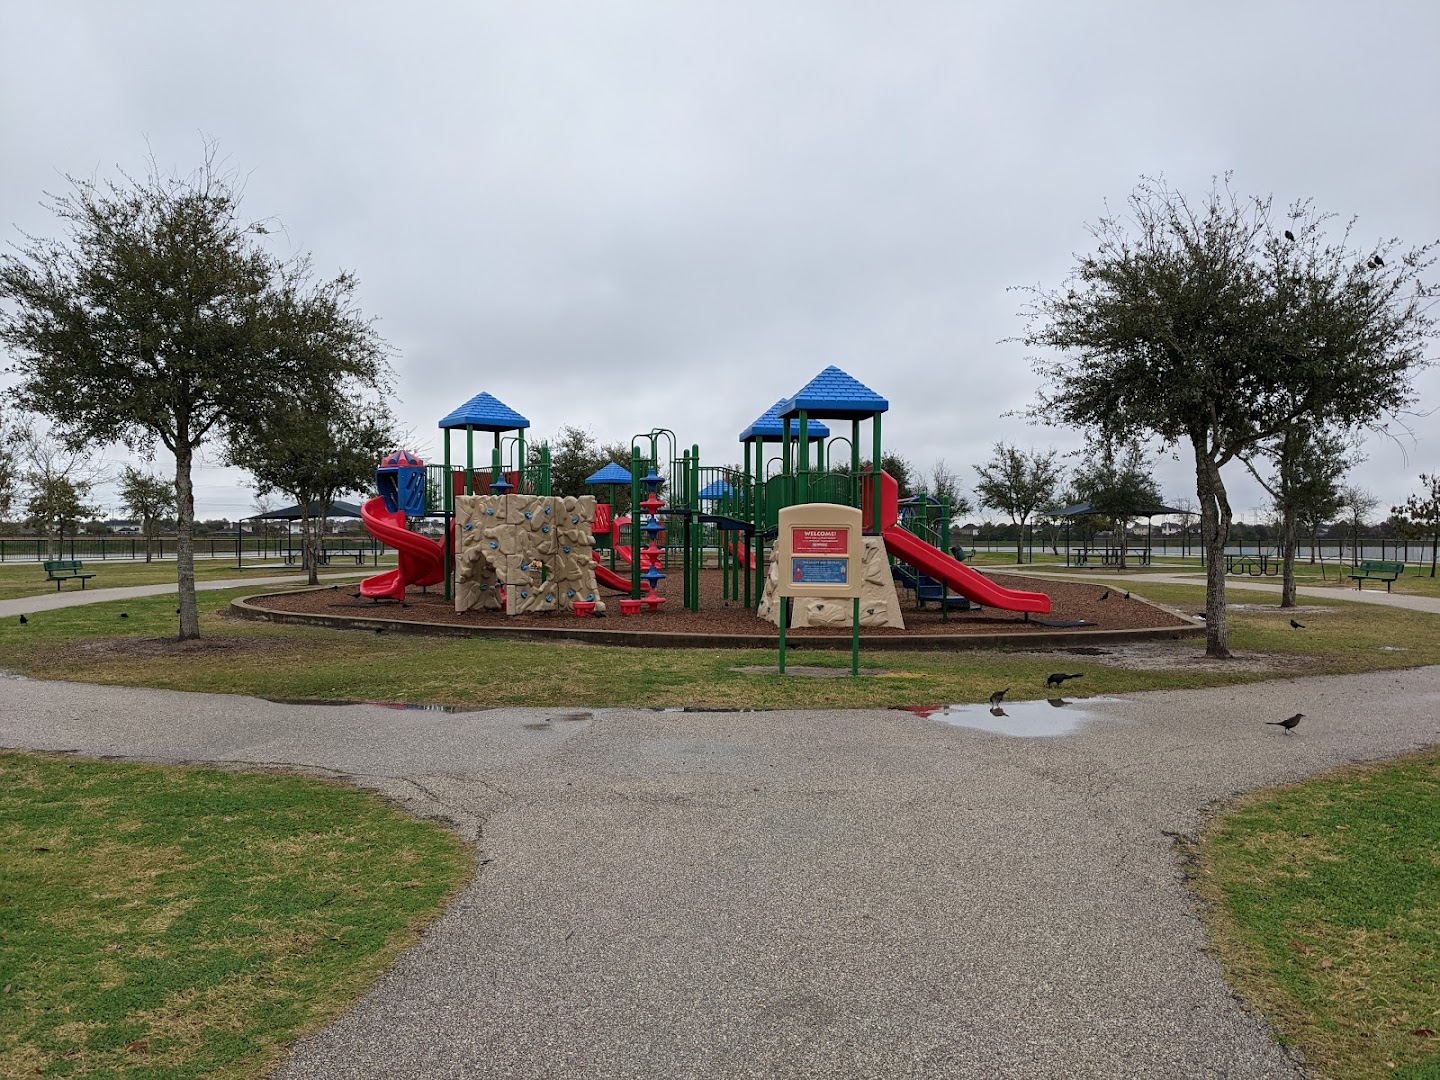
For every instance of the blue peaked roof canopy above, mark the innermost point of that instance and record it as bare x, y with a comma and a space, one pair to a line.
769, 426
716, 489
610, 474
485, 413
835, 395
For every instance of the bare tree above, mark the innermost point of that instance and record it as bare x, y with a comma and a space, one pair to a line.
57, 481
1358, 505
1423, 512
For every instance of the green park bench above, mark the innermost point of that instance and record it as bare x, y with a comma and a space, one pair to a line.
63, 570
1377, 570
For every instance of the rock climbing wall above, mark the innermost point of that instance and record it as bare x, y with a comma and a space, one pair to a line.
537, 547
879, 602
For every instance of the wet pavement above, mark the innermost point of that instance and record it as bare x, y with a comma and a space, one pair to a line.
793, 894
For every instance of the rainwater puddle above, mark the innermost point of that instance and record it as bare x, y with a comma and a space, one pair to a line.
1046, 718
399, 706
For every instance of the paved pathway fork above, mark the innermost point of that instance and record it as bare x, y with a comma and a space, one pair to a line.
799, 894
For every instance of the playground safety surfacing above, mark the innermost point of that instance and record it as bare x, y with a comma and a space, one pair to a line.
717, 625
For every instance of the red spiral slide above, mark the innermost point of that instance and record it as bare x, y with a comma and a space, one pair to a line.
422, 561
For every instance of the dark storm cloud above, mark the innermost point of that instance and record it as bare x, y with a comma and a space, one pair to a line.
626, 215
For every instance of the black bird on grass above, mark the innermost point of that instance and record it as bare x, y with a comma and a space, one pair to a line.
1288, 723
23, 620
999, 696
1105, 595
124, 614
1059, 677
1289, 235
1296, 625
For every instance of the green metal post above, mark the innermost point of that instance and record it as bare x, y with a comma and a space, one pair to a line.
802, 474
699, 531
855, 639
521, 463
784, 611
545, 469
875, 522
854, 462
469, 460
785, 489
497, 466
944, 546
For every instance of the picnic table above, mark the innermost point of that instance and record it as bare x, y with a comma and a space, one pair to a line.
1258, 564
1110, 556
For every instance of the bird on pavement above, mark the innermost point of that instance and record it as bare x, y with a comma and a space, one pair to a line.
1105, 595
1059, 677
1056, 702
1289, 235
1296, 625
995, 710
23, 620
1288, 723
999, 696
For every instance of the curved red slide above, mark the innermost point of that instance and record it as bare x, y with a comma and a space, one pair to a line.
607, 577
975, 587
422, 561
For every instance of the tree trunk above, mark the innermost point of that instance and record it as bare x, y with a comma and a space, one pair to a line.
1215, 518
149, 541
1124, 541
1020, 543
185, 541
1290, 540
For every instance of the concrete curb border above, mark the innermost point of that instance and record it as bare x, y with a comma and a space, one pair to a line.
249, 607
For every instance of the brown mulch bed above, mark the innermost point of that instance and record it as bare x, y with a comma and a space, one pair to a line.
1069, 601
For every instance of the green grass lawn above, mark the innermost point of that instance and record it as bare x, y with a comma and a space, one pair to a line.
93, 644
1324, 903
179, 922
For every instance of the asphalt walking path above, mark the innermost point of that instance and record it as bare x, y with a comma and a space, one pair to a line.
28, 605
1372, 595
791, 894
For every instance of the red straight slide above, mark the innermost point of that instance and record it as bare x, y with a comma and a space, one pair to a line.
607, 577
422, 561
737, 549
975, 587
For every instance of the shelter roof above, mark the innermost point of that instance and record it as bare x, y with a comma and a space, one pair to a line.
610, 474
768, 425
1086, 510
835, 395
483, 412
338, 509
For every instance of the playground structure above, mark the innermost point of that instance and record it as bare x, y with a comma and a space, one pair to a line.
682, 514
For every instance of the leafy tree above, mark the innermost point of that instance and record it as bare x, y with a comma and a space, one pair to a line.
313, 451
148, 499
1018, 482
1209, 326
1119, 488
574, 455
160, 318
1423, 512
1358, 505
13, 433
57, 482
1304, 488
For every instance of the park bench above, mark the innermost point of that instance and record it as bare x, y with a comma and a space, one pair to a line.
1377, 570
63, 570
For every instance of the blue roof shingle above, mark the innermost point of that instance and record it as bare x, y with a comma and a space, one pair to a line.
769, 426
610, 474
835, 395
485, 413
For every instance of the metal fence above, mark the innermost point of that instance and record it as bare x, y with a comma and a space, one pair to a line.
132, 548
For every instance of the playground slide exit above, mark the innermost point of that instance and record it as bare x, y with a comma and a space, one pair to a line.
422, 561
975, 587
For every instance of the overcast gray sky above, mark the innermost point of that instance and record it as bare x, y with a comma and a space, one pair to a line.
620, 215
